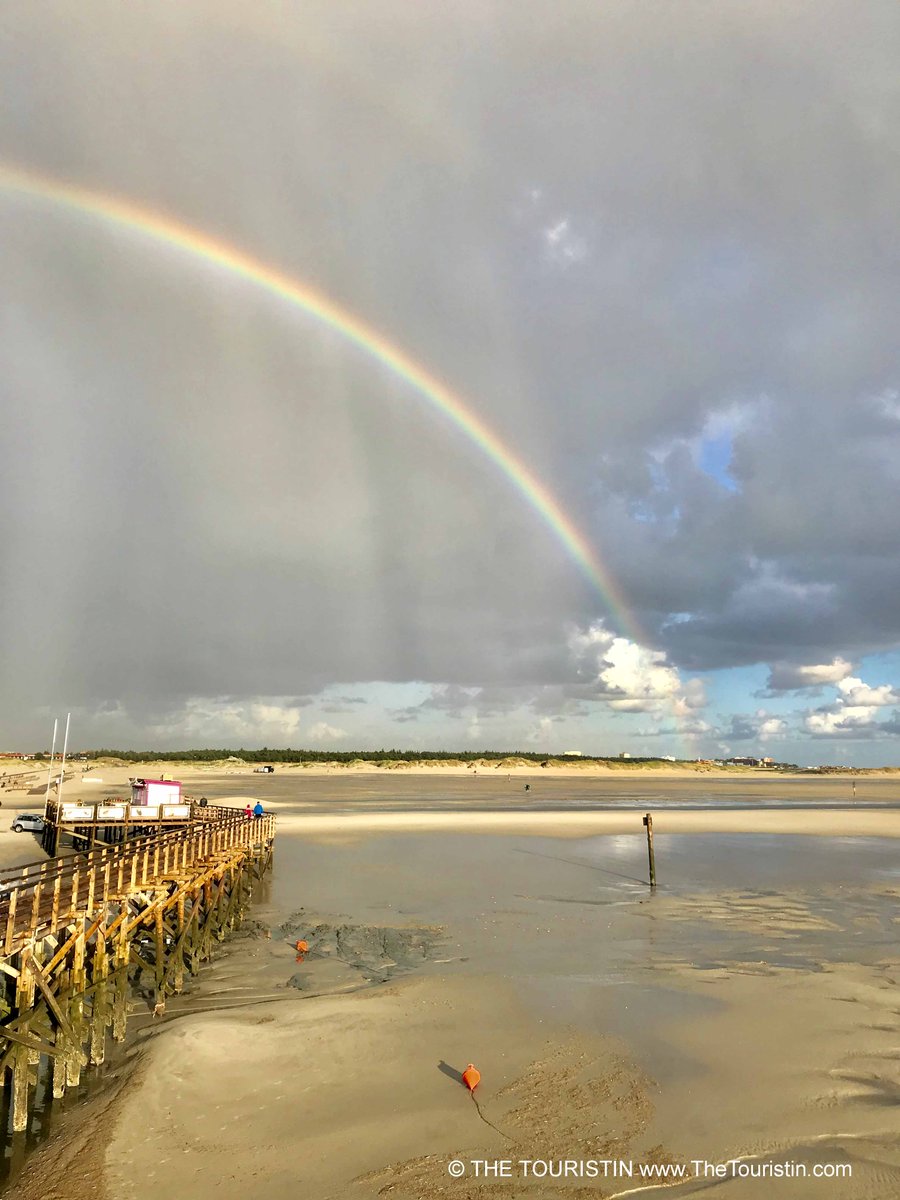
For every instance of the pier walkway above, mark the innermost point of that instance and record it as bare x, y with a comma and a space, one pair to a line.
78, 933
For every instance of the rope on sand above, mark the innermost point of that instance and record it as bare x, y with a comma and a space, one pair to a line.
486, 1121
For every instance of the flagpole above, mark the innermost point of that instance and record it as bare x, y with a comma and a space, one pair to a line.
50, 768
62, 769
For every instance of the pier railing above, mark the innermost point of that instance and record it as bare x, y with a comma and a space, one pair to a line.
38, 898
78, 933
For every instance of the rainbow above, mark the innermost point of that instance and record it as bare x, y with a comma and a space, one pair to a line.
238, 263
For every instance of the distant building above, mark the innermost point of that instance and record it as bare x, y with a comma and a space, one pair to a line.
571, 754
624, 754
744, 762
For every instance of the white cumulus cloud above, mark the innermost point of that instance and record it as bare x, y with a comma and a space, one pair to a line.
855, 693
830, 723
854, 712
792, 677
633, 678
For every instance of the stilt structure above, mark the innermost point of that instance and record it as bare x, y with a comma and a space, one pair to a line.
78, 933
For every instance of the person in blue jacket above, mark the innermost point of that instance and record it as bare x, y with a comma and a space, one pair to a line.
258, 810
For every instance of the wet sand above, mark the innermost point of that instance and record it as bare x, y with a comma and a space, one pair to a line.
747, 1008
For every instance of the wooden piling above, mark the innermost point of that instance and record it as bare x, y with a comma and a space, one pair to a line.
648, 822
20, 1065
98, 1006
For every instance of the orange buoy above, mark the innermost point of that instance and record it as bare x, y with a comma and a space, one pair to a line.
302, 946
471, 1077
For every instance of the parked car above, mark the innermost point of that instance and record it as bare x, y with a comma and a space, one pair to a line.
30, 822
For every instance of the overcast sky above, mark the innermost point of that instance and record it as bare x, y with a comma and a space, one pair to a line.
654, 246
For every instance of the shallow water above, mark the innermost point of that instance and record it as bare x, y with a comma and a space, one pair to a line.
578, 912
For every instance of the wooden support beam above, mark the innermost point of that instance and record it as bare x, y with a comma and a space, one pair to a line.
22, 1039
100, 969
20, 1060
70, 942
178, 949
41, 980
75, 1060
59, 1062
160, 965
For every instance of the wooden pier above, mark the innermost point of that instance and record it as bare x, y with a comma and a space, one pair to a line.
80, 932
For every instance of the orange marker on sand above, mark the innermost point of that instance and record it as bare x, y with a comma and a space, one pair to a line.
302, 946
471, 1077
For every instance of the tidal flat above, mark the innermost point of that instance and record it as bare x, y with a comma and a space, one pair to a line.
744, 1011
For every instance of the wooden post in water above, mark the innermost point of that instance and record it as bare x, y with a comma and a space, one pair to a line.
99, 1007
122, 953
75, 1058
648, 821
20, 1059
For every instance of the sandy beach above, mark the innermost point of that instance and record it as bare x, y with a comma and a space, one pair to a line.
745, 1011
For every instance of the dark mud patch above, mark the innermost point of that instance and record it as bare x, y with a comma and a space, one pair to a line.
377, 953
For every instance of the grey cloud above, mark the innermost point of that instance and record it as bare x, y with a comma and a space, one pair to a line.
205, 493
810, 678
451, 701
455, 703
844, 727
740, 729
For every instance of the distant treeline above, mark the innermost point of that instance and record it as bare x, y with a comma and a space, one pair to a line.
345, 756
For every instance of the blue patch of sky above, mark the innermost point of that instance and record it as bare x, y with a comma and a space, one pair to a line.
876, 669
737, 690
656, 510
714, 455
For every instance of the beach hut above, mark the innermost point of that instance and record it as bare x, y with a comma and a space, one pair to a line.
154, 792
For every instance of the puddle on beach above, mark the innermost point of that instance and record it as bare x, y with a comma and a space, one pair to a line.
538, 907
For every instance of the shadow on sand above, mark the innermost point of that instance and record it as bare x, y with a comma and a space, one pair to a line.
451, 1071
